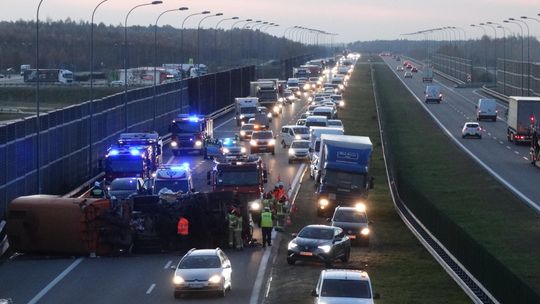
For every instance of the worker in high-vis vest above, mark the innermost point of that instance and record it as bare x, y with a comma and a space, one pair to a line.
267, 224
183, 233
238, 241
233, 221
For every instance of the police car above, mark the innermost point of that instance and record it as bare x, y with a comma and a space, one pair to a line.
175, 178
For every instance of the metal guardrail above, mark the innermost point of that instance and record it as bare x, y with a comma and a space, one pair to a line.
472, 287
495, 94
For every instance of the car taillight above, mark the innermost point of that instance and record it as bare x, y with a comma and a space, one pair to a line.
479, 129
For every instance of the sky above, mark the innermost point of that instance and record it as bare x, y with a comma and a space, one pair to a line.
352, 20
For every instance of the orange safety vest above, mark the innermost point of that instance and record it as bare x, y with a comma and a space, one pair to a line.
183, 226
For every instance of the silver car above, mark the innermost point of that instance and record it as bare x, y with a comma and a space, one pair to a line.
299, 150
344, 286
471, 129
202, 271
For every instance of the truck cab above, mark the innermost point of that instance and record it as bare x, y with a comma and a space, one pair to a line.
246, 108
188, 133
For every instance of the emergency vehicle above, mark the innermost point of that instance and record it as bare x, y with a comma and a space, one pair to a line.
189, 132
134, 155
173, 177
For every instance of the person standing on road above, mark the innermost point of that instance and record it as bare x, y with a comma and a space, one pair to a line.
232, 226
97, 191
267, 224
183, 233
238, 240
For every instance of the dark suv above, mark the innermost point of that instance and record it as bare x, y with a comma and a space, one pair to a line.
319, 243
354, 221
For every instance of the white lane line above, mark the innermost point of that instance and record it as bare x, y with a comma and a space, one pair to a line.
256, 291
296, 179
224, 123
508, 147
501, 142
167, 265
50, 286
151, 288
516, 152
525, 158
169, 161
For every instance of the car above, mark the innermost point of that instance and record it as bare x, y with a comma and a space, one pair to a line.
338, 100
301, 122
264, 110
407, 74
203, 271
319, 243
399, 68
344, 286
263, 141
292, 132
354, 221
299, 150
414, 69
232, 149
305, 115
124, 187
246, 130
471, 129
335, 123
117, 83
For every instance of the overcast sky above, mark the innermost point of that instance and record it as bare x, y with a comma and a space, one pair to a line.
351, 19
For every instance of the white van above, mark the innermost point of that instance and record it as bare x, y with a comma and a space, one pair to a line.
433, 94
328, 112
486, 109
316, 121
292, 132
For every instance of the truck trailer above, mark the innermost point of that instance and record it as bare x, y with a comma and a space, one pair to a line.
522, 113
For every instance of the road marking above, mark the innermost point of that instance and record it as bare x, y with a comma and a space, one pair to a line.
516, 152
256, 291
508, 147
50, 286
224, 123
501, 142
525, 158
167, 265
150, 288
170, 160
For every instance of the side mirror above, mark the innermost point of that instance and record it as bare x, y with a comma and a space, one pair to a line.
294, 235
376, 296
314, 293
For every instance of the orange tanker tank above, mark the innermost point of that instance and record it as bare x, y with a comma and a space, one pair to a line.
52, 224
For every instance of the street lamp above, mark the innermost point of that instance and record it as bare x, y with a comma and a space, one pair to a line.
232, 27
91, 103
215, 50
199, 59
182, 33
154, 103
38, 126
528, 54
489, 24
485, 46
504, 54
522, 57
216, 29
126, 55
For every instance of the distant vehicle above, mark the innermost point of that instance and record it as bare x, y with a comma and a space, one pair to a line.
399, 68
407, 75
433, 94
233, 149
319, 243
414, 69
337, 286
299, 150
471, 129
335, 123
522, 113
301, 122
428, 74
116, 83
246, 108
203, 271
354, 221
263, 141
486, 109
124, 187
24, 67
189, 132
338, 100
49, 75
246, 130
328, 112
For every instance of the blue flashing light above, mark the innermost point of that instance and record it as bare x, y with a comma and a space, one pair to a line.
134, 152
227, 141
194, 119
177, 168
185, 165
113, 152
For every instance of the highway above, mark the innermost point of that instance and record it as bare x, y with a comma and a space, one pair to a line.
507, 161
147, 278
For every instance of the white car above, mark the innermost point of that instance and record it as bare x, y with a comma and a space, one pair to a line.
471, 129
399, 68
202, 271
299, 150
292, 132
344, 286
246, 130
301, 122
335, 123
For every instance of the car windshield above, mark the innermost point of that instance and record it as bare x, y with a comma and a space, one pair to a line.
335, 123
185, 127
301, 130
237, 178
351, 216
247, 127
300, 144
347, 180
317, 233
125, 164
316, 124
124, 184
335, 288
174, 185
248, 110
200, 261
262, 135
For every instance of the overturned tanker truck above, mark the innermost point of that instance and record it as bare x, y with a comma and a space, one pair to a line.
47, 224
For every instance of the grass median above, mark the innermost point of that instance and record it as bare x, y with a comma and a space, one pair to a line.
401, 270
442, 177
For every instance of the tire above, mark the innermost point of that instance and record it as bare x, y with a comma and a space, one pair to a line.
283, 144
291, 261
345, 258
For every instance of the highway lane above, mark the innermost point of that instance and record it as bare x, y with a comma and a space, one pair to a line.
509, 161
143, 278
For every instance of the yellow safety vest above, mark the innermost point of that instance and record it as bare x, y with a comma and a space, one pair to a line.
266, 219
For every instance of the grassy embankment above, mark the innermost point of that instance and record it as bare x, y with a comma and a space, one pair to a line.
402, 271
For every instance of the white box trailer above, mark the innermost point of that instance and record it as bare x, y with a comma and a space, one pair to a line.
523, 113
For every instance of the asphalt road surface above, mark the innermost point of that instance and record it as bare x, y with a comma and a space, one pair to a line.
146, 278
510, 162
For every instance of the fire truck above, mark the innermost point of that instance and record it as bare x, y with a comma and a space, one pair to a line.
243, 176
189, 132
134, 155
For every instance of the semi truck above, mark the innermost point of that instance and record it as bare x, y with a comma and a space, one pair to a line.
301, 73
344, 171
428, 74
246, 108
48, 75
267, 92
522, 114
189, 132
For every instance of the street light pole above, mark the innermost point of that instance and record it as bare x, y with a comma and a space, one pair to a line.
489, 24
199, 60
216, 29
504, 55
522, 57
126, 55
231, 60
528, 54
182, 37
485, 46
38, 126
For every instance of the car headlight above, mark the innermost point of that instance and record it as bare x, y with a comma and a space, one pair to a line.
243, 150
291, 152
310, 98
360, 207
242, 116
364, 231
323, 202
306, 86
177, 280
226, 150
298, 93
341, 86
215, 279
297, 137
280, 99
280, 105
198, 143
325, 248
255, 206
269, 115
174, 144
272, 142
253, 142
292, 245
242, 133
342, 103
276, 109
